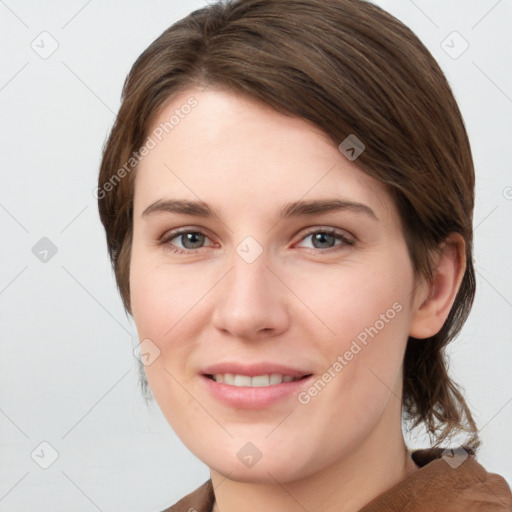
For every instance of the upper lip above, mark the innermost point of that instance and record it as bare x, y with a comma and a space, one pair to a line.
253, 369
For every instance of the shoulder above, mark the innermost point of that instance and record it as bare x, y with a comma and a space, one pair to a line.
459, 470
200, 500
450, 480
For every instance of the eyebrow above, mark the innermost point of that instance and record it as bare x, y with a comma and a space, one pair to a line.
293, 209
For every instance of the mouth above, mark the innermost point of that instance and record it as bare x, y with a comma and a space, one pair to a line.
255, 381
256, 386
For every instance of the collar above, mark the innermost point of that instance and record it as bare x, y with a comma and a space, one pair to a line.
443, 483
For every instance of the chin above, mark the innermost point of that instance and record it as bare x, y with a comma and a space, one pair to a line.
243, 462
262, 472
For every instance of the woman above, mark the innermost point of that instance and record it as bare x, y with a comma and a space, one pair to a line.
287, 194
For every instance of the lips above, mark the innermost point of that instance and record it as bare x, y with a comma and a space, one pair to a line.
255, 369
253, 386
255, 381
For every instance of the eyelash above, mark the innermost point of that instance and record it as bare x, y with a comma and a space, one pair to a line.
165, 240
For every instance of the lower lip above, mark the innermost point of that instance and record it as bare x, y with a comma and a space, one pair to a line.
245, 397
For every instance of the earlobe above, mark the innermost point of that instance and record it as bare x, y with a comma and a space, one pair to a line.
435, 302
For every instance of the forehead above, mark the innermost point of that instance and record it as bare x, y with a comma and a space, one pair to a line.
226, 148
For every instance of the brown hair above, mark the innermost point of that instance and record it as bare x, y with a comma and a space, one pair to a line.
350, 68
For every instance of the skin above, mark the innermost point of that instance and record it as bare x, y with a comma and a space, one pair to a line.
293, 305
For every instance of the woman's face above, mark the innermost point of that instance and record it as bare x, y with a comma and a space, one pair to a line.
267, 287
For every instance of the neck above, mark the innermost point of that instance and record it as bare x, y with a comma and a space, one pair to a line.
373, 467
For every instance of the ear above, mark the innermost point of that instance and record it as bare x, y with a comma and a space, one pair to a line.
433, 303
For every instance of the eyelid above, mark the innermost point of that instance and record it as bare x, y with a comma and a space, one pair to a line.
171, 235
345, 237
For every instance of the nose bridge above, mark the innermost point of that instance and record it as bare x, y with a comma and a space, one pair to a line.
250, 274
251, 298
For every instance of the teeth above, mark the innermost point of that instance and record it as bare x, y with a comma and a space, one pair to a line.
242, 380
275, 378
256, 381
261, 380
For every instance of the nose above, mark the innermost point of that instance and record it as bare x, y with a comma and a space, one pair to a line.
252, 301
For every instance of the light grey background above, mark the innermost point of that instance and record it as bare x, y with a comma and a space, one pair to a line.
68, 376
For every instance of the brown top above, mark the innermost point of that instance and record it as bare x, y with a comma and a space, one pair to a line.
440, 485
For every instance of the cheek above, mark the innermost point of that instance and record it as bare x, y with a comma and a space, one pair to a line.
368, 313
162, 308
358, 301
161, 296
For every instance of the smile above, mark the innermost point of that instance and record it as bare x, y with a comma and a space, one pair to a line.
258, 391
259, 381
